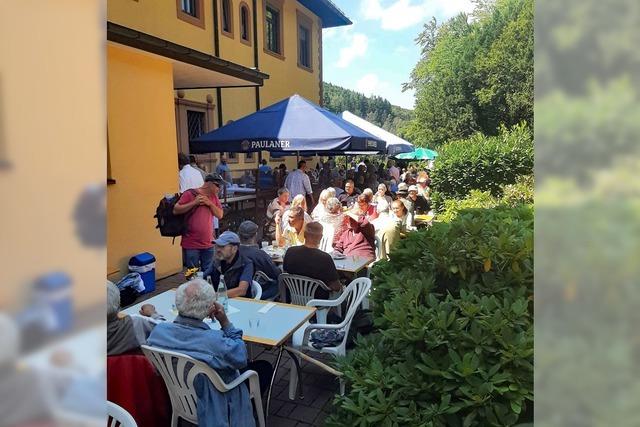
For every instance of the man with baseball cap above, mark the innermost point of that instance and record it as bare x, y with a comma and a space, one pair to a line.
228, 262
248, 233
200, 206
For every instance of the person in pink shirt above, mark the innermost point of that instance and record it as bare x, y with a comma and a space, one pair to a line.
199, 206
394, 172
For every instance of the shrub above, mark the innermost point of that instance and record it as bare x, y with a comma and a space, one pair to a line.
453, 307
513, 195
483, 163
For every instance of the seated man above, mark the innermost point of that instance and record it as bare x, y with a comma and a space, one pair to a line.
248, 179
228, 262
126, 333
293, 232
350, 195
359, 239
307, 260
248, 233
223, 350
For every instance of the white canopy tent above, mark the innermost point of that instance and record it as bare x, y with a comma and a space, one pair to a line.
395, 144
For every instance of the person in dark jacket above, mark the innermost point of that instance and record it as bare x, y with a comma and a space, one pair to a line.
236, 269
248, 233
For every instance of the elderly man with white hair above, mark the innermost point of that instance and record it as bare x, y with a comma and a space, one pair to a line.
126, 333
223, 350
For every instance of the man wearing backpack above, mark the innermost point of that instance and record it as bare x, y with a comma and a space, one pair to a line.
199, 206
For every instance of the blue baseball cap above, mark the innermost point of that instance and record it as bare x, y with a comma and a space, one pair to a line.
228, 238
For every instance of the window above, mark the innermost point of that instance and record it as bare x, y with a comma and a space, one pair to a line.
190, 7
226, 17
191, 11
303, 49
232, 157
245, 24
250, 157
273, 28
195, 124
304, 41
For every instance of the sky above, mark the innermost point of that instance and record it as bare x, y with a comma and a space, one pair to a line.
376, 54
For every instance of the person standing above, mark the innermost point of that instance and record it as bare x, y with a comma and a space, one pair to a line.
200, 205
394, 172
265, 178
194, 164
189, 176
223, 170
298, 182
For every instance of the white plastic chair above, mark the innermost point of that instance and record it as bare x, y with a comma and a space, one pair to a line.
256, 290
302, 290
326, 243
118, 416
353, 295
179, 372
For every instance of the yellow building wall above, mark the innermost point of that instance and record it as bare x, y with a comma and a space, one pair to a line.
143, 158
285, 77
159, 18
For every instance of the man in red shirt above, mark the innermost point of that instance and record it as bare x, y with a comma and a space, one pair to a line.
200, 205
359, 238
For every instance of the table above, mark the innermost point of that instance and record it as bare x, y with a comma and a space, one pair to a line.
271, 329
351, 264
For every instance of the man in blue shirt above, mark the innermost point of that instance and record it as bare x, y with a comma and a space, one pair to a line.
223, 170
229, 262
223, 350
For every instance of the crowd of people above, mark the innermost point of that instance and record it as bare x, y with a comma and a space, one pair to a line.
356, 219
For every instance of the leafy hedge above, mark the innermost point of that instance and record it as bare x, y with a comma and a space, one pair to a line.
453, 307
483, 163
513, 195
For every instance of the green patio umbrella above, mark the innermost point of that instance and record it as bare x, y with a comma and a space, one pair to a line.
418, 154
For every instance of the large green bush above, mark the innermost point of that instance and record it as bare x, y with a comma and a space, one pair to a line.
483, 163
454, 346
513, 195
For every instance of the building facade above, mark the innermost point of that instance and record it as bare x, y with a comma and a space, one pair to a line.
177, 69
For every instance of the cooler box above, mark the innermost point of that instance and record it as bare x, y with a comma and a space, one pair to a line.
145, 265
53, 296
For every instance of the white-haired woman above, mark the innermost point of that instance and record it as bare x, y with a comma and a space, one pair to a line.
301, 201
321, 207
332, 223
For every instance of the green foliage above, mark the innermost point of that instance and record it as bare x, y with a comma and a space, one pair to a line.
474, 76
455, 342
513, 195
374, 109
483, 163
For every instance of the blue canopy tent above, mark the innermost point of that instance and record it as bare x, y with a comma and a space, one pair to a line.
294, 125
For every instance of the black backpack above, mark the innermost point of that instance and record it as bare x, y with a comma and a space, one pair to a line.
171, 225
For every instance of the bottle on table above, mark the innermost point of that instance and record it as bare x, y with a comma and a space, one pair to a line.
223, 298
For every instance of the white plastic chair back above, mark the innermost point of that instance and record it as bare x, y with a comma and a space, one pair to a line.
328, 231
256, 290
378, 247
118, 416
179, 372
302, 288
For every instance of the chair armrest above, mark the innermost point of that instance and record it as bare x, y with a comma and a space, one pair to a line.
242, 378
327, 302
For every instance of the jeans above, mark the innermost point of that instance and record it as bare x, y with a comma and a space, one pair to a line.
202, 258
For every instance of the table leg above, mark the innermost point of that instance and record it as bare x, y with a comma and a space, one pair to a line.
273, 380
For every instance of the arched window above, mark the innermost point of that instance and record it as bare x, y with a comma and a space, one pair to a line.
227, 18
245, 29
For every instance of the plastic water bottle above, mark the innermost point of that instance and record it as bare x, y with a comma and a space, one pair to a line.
223, 298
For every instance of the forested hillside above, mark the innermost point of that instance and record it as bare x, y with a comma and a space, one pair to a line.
375, 109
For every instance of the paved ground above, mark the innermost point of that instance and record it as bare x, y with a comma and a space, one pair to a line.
319, 387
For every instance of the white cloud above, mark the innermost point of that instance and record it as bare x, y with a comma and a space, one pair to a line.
370, 84
357, 47
401, 14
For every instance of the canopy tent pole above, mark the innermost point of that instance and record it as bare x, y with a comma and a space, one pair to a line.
258, 183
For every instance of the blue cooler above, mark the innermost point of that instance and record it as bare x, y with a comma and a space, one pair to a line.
53, 294
145, 265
